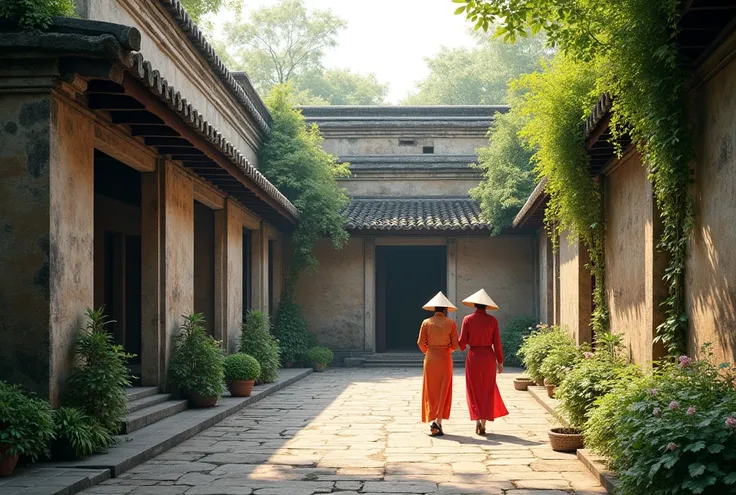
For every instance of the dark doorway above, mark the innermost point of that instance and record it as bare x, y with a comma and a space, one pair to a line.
270, 277
406, 278
117, 248
204, 264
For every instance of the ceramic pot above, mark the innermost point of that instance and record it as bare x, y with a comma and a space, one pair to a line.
240, 388
551, 391
199, 401
7, 462
522, 383
319, 367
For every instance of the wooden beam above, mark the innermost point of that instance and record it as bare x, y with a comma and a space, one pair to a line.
158, 107
208, 196
123, 149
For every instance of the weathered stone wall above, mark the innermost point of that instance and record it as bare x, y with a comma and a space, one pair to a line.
389, 145
504, 267
333, 298
575, 290
633, 270
711, 268
46, 241
170, 51
408, 185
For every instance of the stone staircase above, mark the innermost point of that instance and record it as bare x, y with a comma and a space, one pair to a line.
402, 360
146, 405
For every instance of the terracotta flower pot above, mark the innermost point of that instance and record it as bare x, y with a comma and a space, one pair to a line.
199, 401
319, 367
240, 388
566, 439
7, 462
522, 383
551, 391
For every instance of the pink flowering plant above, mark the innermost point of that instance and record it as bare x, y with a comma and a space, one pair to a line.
679, 440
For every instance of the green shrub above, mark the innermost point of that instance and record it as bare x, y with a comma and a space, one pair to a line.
593, 377
512, 336
241, 367
256, 340
319, 356
536, 346
97, 384
35, 14
673, 432
25, 423
197, 362
83, 434
560, 361
292, 332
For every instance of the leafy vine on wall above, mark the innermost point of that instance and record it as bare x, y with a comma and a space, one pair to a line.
631, 48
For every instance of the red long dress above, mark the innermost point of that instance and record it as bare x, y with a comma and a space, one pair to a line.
480, 331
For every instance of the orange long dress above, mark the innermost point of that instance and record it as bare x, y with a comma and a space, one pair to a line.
480, 331
437, 340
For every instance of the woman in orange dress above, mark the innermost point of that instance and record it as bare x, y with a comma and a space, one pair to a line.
480, 332
437, 340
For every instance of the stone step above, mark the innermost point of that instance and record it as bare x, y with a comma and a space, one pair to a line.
135, 393
151, 400
151, 414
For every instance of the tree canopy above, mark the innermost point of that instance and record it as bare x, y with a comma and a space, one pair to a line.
287, 43
478, 75
293, 160
199, 8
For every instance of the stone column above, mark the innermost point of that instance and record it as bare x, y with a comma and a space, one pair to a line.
575, 289
259, 267
369, 294
452, 275
46, 230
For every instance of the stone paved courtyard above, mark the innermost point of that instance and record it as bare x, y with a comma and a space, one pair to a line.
356, 431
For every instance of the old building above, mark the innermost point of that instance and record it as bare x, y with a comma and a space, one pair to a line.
414, 229
634, 265
130, 179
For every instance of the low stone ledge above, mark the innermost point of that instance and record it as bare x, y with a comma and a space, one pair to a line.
597, 467
68, 478
540, 394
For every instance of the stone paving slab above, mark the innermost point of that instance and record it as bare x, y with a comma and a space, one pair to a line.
51, 481
357, 431
67, 478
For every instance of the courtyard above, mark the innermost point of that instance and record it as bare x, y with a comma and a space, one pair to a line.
356, 431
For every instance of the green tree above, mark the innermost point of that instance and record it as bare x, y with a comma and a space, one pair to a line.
508, 173
199, 8
35, 14
282, 42
478, 75
293, 160
344, 87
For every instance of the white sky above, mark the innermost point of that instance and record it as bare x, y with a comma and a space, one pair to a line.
390, 38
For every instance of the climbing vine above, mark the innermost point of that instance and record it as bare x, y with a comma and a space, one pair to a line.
555, 102
631, 47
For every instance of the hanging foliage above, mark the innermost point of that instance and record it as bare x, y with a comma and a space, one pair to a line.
630, 46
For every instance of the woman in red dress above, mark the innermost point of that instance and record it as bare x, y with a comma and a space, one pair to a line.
480, 332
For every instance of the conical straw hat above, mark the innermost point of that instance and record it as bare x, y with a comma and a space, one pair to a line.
480, 297
439, 301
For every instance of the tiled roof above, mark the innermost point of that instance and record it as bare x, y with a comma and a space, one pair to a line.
414, 214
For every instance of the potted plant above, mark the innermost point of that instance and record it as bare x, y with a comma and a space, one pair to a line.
291, 330
319, 358
97, 384
76, 435
522, 382
241, 372
558, 363
256, 340
197, 363
26, 427
538, 345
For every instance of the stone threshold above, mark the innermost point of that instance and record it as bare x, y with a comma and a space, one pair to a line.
68, 478
593, 463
